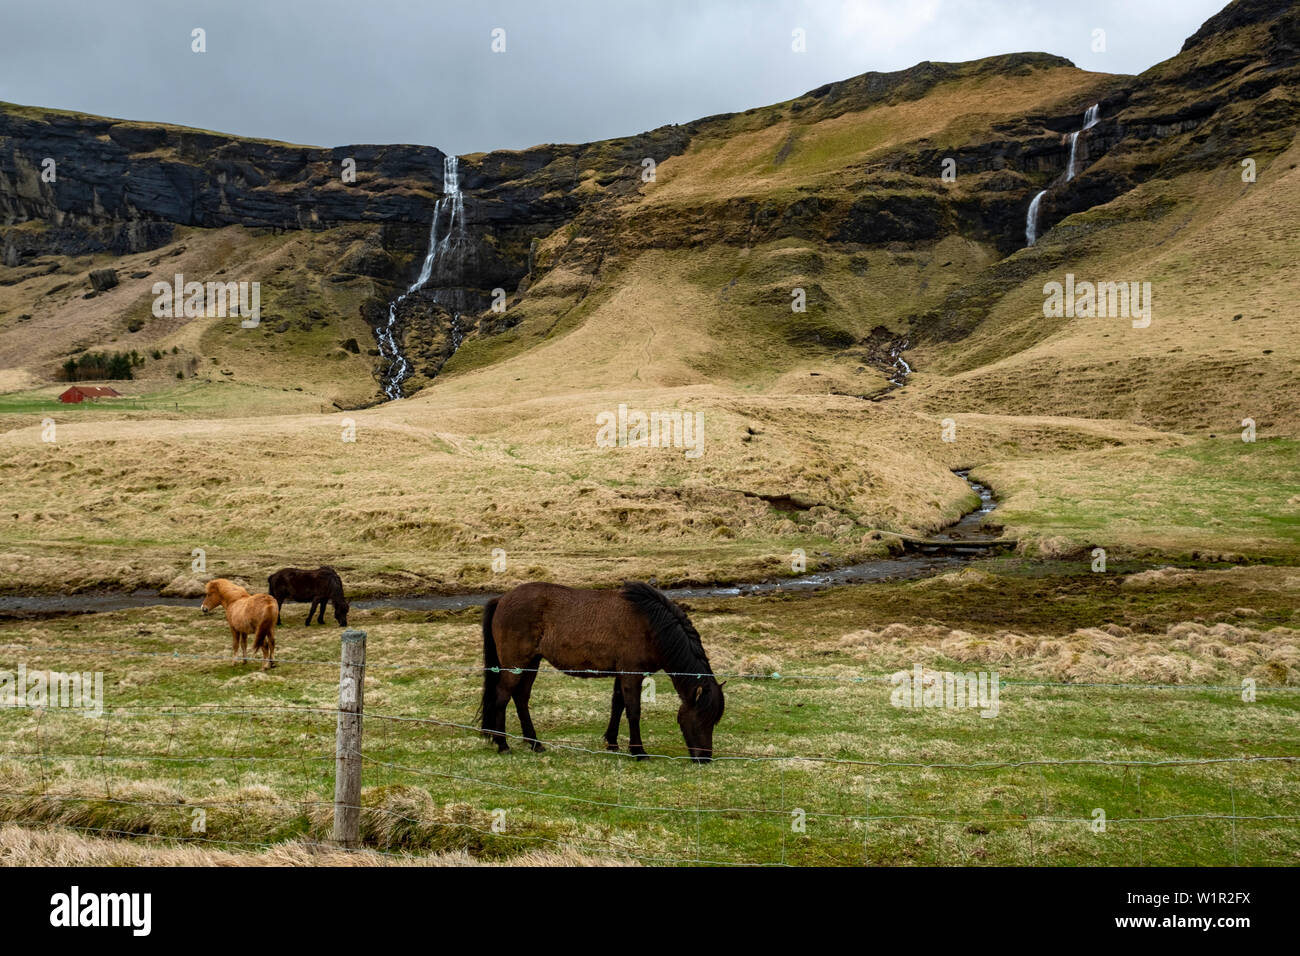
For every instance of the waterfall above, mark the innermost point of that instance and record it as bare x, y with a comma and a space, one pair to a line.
1090, 117
1074, 144
1031, 221
901, 368
441, 252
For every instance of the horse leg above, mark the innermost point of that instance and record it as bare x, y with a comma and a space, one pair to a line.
505, 690
521, 693
615, 715
234, 647
320, 618
310, 611
243, 647
631, 686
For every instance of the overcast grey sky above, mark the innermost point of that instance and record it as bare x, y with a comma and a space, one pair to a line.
338, 72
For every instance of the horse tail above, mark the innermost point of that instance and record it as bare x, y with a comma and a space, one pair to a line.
266, 626
260, 639
491, 665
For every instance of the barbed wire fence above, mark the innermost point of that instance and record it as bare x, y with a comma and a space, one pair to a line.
726, 675
248, 749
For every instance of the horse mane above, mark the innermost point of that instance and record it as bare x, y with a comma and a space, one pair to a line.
679, 643
336, 588
229, 590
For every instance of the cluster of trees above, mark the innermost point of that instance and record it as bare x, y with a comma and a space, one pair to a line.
101, 365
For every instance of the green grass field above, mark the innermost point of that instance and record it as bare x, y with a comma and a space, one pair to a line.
1114, 687
1223, 499
196, 398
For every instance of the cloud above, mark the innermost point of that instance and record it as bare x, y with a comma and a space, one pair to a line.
334, 72
885, 21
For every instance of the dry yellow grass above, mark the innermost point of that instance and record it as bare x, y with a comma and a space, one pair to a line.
23, 846
500, 453
431, 486
1223, 261
1185, 653
742, 164
291, 270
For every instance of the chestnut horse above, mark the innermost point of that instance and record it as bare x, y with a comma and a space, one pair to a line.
625, 634
246, 614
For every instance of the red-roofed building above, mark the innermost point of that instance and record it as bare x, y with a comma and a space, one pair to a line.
79, 393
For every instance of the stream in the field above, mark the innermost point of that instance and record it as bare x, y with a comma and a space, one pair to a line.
948, 549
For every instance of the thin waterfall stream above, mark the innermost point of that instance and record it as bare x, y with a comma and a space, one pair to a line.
1090, 119
443, 253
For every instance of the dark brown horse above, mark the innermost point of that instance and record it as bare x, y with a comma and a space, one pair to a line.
319, 587
625, 634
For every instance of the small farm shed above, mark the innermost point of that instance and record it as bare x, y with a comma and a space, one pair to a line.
79, 393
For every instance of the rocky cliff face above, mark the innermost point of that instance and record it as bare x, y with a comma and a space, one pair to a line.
121, 187
1233, 92
125, 187
111, 172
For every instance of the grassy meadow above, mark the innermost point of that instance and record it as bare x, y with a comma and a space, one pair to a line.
1143, 670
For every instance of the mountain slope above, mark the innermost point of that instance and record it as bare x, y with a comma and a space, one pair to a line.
675, 294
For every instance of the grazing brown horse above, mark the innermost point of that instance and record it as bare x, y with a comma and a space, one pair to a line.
246, 614
319, 587
626, 633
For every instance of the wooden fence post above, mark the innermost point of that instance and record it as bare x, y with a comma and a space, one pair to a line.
347, 740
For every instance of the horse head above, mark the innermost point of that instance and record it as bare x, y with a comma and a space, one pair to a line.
212, 595
341, 611
699, 713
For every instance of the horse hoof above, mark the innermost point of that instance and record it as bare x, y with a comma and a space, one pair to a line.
537, 747
503, 749
642, 756
611, 747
